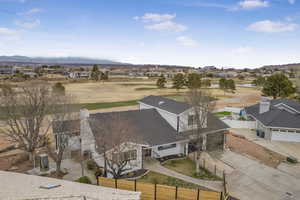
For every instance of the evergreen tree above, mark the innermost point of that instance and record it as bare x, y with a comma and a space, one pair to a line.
193, 81
178, 81
95, 73
278, 85
161, 82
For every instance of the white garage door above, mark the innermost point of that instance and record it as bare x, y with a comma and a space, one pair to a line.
286, 136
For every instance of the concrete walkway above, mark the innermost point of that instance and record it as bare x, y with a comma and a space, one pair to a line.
157, 167
74, 170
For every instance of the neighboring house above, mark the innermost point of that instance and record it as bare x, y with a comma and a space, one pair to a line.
79, 75
277, 119
70, 128
165, 127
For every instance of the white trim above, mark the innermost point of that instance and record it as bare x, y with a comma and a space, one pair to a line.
287, 106
163, 109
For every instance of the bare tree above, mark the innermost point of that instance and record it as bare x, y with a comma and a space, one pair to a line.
29, 112
202, 103
116, 141
64, 120
298, 81
24, 112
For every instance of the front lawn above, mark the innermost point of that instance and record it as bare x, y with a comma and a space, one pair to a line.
187, 167
157, 178
223, 114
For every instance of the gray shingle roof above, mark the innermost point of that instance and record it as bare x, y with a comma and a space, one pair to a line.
276, 117
214, 124
169, 105
71, 126
148, 124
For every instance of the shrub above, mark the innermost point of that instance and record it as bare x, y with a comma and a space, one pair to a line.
91, 165
242, 118
292, 160
84, 179
99, 172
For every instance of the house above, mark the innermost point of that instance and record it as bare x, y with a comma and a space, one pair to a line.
166, 128
277, 119
79, 74
17, 186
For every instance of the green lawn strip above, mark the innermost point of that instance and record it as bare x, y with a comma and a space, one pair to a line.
157, 178
145, 88
102, 105
188, 167
136, 84
223, 114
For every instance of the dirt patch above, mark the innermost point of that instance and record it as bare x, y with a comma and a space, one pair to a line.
240, 144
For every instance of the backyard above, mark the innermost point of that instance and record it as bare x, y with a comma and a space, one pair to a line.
157, 178
187, 167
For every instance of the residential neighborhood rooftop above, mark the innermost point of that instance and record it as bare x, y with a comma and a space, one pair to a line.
147, 123
167, 104
278, 116
16, 186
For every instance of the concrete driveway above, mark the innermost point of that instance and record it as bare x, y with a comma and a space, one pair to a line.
284, 148
252, 180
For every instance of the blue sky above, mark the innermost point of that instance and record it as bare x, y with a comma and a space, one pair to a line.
236, 33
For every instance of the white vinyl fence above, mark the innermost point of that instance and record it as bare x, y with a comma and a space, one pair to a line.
240, 123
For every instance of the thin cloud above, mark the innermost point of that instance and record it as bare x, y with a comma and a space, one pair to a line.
28, 24
253, 4
161, 22
186, 41
154, 17
9, 34
31, 12
292, 1
167, 26
241, 5
268, 26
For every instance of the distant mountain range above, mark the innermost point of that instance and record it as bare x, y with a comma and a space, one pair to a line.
53, 60
284, 66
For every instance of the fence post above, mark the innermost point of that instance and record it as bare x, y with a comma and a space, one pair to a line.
198, 194
116, 183
176, 193
97, 177
221, 196
135, 185
215, 169
155, 191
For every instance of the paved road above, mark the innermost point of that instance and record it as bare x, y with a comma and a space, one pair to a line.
252, 180
157, 167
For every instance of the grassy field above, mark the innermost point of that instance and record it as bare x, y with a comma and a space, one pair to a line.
188, 167
95, 106
156, 178
94, 92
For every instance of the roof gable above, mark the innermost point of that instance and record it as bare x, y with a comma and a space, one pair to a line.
166, 104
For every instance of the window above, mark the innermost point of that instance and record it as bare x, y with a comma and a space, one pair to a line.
170, 146
191, 120
127, 155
